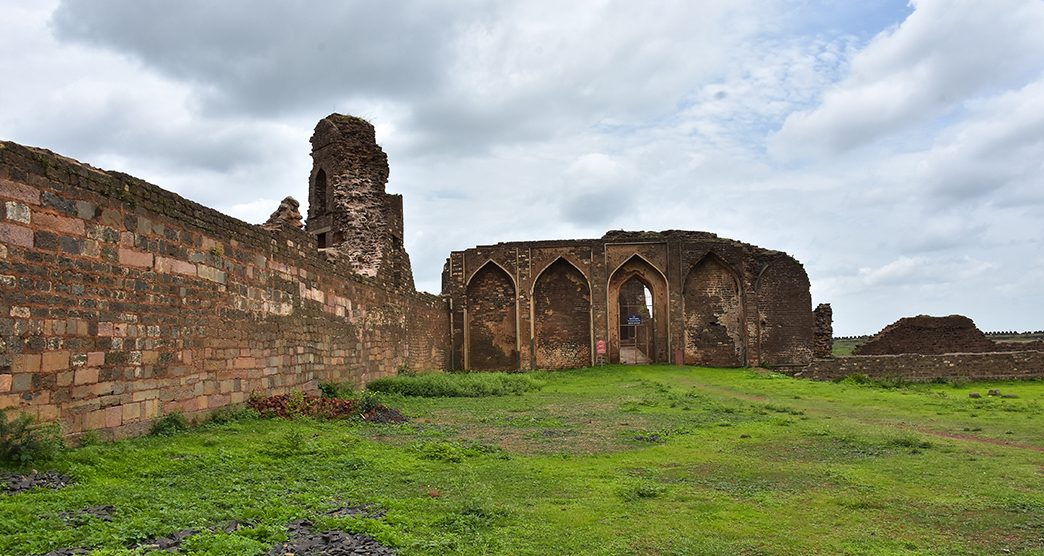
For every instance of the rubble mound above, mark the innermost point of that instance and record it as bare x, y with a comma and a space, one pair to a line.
930, 336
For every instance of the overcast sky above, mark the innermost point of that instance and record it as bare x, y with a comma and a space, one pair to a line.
897, 150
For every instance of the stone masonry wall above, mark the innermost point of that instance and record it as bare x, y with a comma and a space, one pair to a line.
823, 331
924, 368
121, 302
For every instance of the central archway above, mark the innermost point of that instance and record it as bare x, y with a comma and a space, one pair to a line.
634, 276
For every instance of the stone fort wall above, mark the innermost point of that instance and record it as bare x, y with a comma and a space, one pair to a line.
916, 367
121, 302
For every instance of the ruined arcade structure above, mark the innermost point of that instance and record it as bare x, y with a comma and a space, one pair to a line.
122, 301
628, 297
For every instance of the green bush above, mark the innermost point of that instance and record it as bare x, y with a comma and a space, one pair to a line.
169, 425
336, 390
24, 441
466, 385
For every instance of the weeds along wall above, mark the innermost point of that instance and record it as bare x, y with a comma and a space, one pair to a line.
122, 302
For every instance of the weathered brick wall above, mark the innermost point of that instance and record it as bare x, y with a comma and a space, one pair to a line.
785, 311
921, 367
823, 331
562, 317
122, 302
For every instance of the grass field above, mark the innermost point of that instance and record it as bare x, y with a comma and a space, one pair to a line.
614, 460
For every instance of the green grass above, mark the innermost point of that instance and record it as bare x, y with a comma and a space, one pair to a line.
844, 348
614, 460
457, 385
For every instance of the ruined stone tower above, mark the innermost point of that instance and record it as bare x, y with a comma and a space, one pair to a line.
349, 212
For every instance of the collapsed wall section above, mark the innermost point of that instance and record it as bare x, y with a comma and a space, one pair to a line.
121, 302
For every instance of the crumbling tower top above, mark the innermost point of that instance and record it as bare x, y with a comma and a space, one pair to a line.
349, 212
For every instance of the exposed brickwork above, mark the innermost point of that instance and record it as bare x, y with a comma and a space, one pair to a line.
562, 317
921, 367
927, 334
713, 316
120, 302
492, 320
823, 333
766, 312
353, 217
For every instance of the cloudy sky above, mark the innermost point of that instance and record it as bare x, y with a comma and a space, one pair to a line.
896, 149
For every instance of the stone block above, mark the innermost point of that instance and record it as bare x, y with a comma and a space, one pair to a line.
210, 273
55, 361
174, 266
130, 257
26, 363
19, 192
131, 412
60, 224
17, 212
113, 417
12, 234
5, 383
87, 375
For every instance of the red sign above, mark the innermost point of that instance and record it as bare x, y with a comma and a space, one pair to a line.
600, 347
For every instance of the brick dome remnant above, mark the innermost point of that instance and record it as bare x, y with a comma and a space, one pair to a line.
929, 335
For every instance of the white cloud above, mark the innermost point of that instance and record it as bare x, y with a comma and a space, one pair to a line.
945, 53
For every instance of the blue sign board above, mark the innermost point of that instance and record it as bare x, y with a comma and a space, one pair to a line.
634, 319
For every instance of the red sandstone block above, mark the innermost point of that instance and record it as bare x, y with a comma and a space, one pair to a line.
151, 408
47, 412
55, 361
86, 376
131, 412
113, 417
19, 192
26, 363
64, 379
94, 420
105, 329
167, 265
96, 358
245, 363
5, 383
149, 357
62, 224
15, 235
129, 257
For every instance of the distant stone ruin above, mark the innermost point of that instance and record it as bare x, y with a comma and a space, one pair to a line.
928, 335
628, 297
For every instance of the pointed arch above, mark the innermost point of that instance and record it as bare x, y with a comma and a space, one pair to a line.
561, 316
491, 320
712, 298
320, 193
638, 267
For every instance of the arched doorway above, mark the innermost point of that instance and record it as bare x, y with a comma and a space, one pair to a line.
637, 340
634, 284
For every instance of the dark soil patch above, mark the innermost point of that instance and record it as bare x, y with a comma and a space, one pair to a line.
304, 541
12, 483
296, 405
68, 552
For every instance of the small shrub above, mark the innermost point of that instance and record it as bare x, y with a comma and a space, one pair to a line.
24, 441
641, 491
89, 438
229, 414
461, 385
169, 425
368, 401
